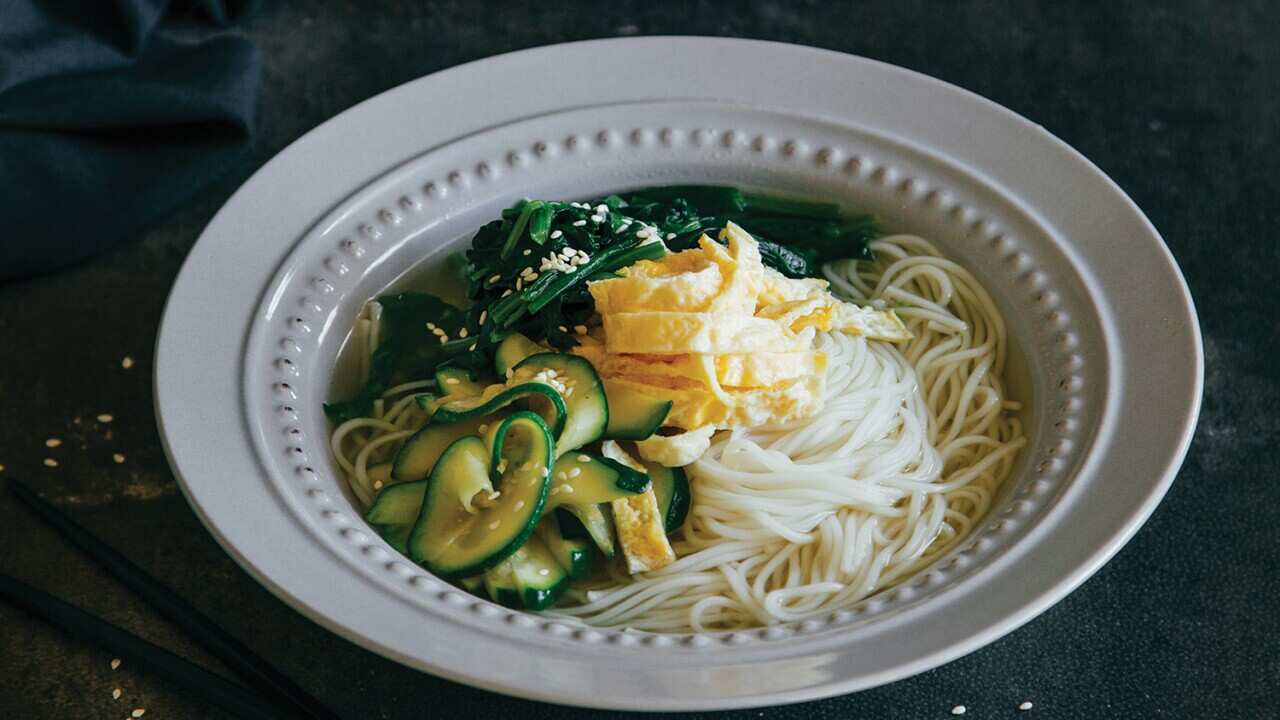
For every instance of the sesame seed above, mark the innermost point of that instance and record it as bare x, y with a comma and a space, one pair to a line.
602, 208
569, 252
494, 278
580, 329
437, 332
506, 292
484, 428
546, 471
597, 218
544, 571
584, 458
671, 236
564, 329
52, 442
519, 283
562, 476
958, 710
527, 251
519, 504
115, 663
642, 233
555, 234
105, 418
483, 315
431, 326
579, 223
118, 458
115, 694
575, 472
127, 362
377, 484
138, 712
452, 381
510, 373
533, 276
463, 332
568, 489
473, 346
50, 462
1, 468
494, 525
1025, 706
443, 338
555, 490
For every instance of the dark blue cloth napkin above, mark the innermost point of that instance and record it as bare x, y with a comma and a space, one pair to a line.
112, 113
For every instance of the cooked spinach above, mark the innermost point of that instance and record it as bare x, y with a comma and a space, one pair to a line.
407, 349
528, 270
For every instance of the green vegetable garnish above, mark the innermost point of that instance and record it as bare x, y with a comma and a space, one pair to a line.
527, 272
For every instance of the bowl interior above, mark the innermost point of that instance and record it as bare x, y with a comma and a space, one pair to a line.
395, 232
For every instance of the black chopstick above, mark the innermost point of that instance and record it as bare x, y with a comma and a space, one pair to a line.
255, 670
191, 677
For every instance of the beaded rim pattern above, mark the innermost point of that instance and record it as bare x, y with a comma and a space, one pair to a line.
340, 255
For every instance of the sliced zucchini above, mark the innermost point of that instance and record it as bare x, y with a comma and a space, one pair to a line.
500, 584
473, 584
513, 349
581, 479
584, 398
632, 414
457, 382
538, 575
465, 527
671, 488
422, 449
598, 523
395, 510
552, 410
571, 528
572, 555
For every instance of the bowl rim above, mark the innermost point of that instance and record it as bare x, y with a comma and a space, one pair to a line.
256, 205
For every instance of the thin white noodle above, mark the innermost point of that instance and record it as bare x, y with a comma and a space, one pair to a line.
912, 446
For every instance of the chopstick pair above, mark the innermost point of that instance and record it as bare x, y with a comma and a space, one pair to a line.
270, 694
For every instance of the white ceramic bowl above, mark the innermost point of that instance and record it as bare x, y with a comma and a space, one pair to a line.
1110, 359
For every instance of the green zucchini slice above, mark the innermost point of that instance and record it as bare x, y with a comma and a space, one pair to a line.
473, 584
671, 488
419, 453
572, 555
457, 382
395, 510
551, 406
598, 522
500, 584
581, 479
513, 349
538, 575
632, 414
465, 527
583, 393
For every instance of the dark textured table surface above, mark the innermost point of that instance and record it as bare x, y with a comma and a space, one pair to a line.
1180, 104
